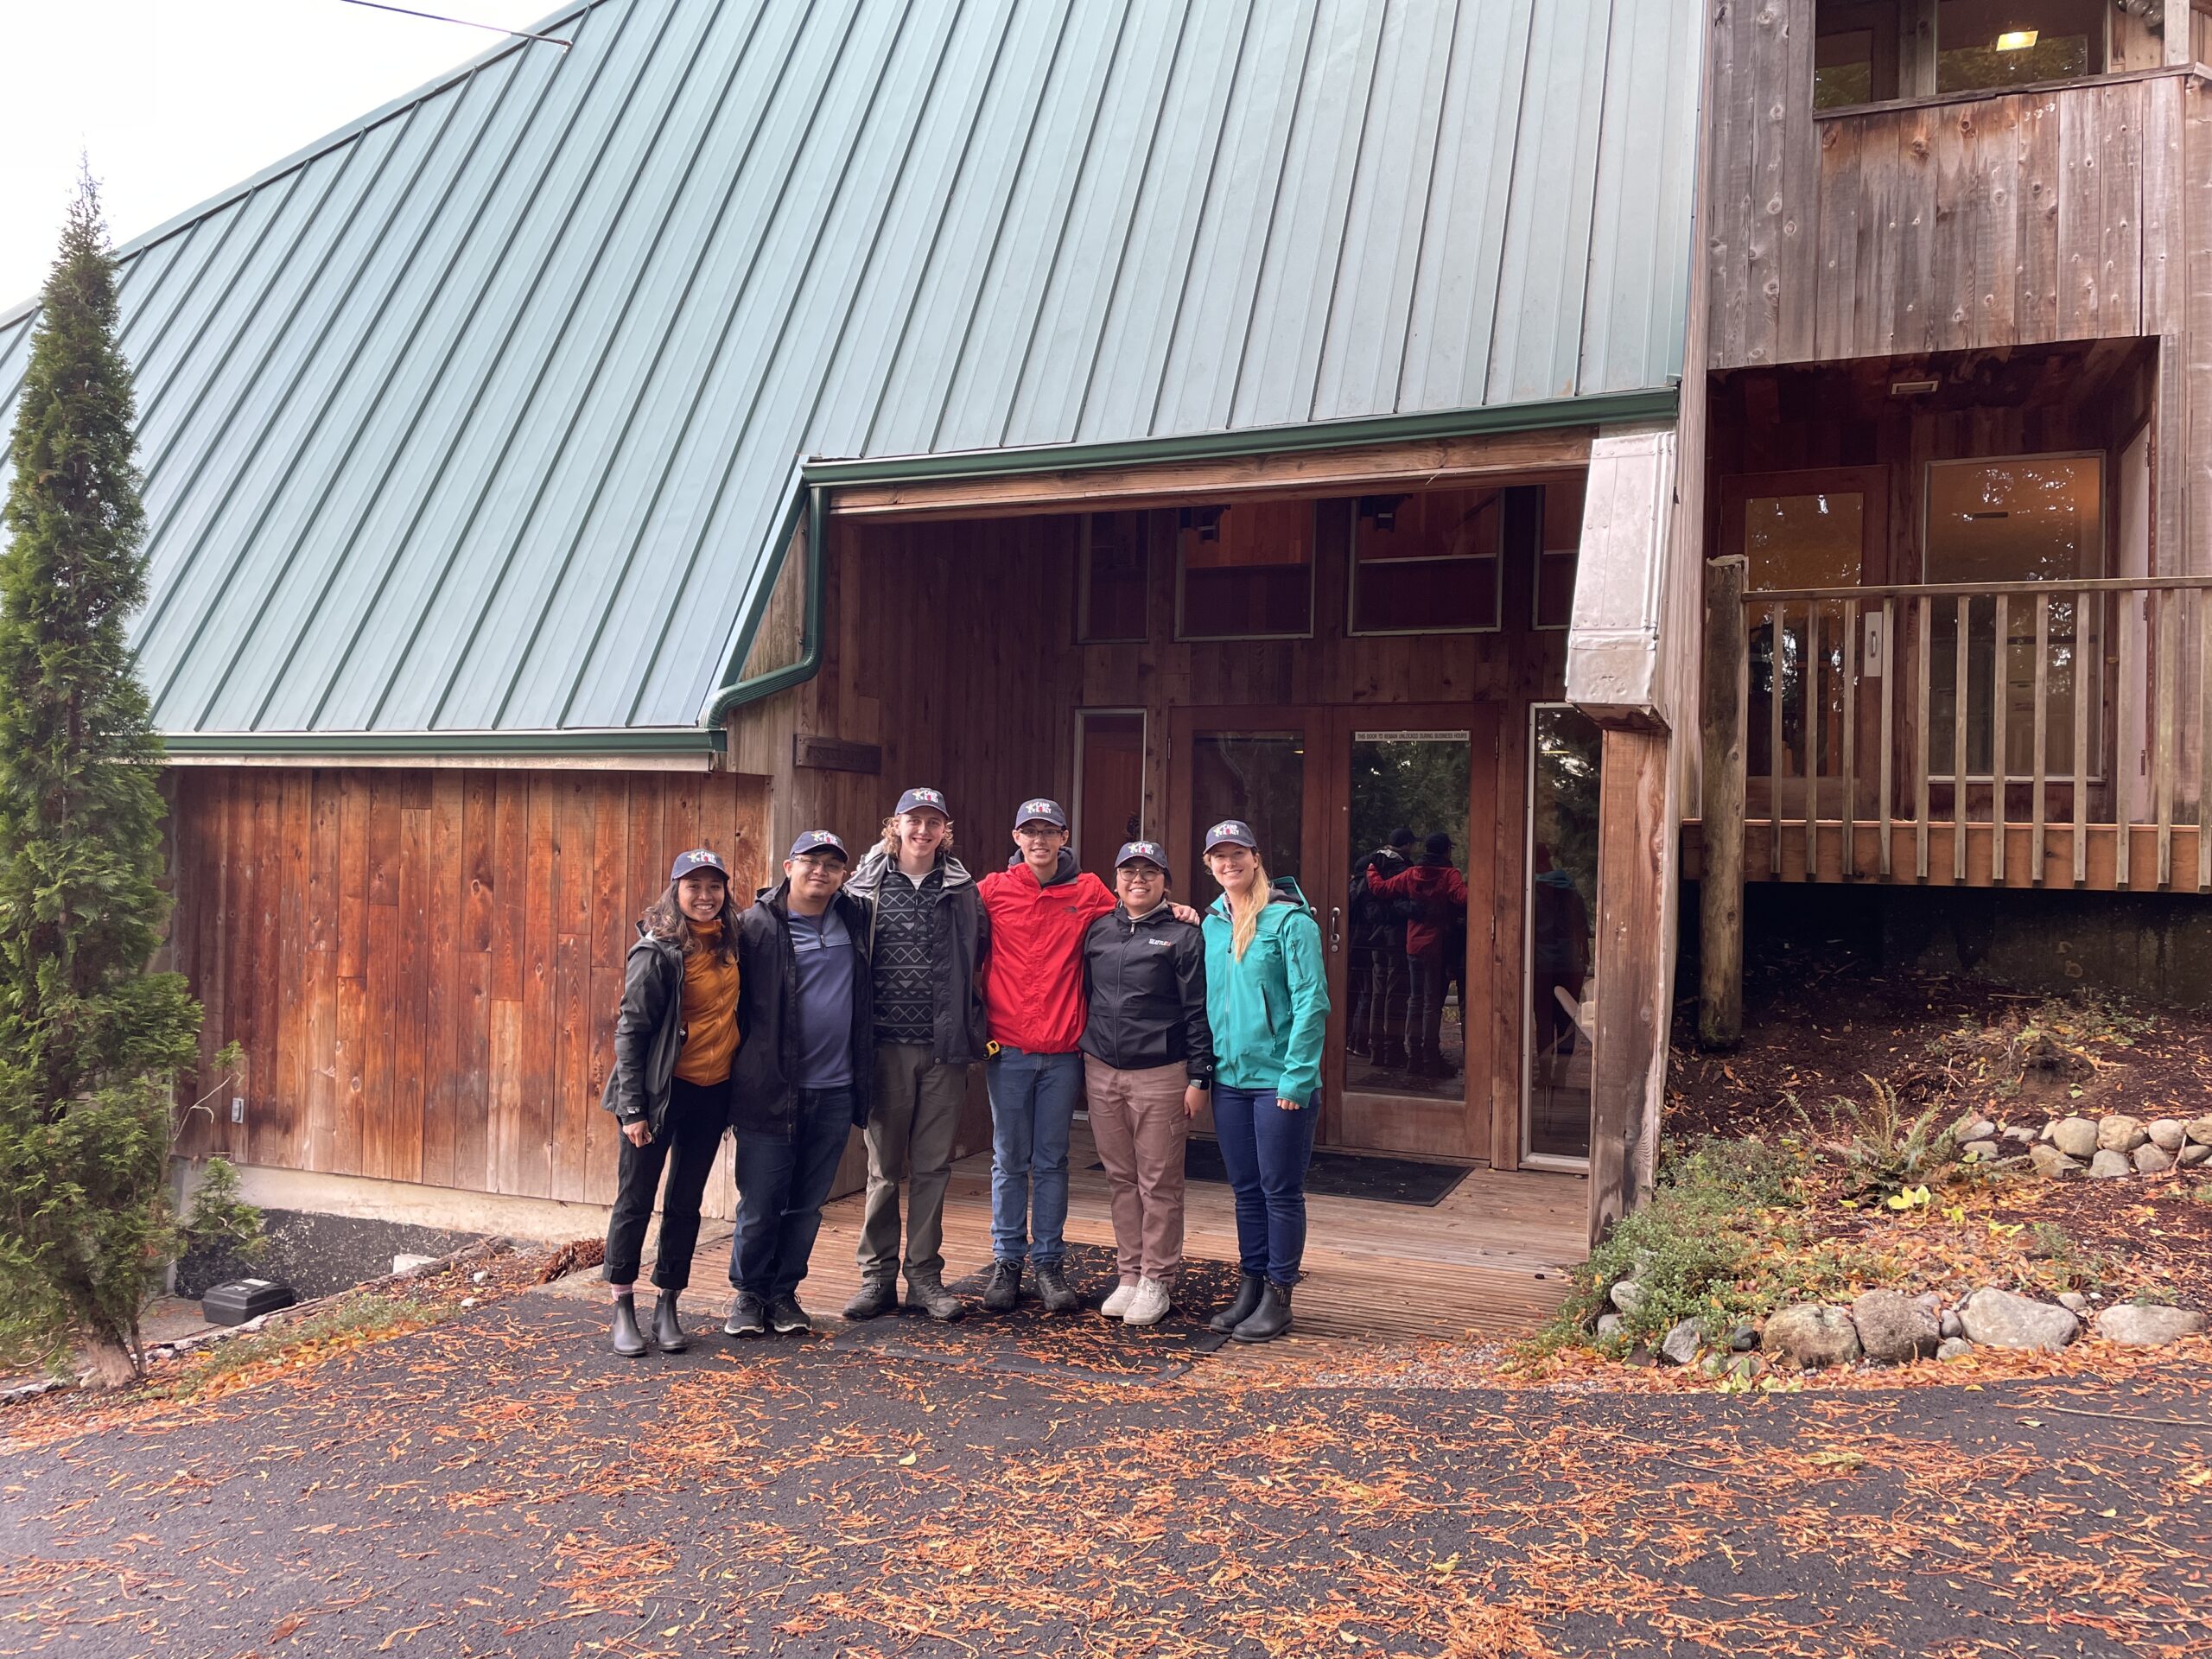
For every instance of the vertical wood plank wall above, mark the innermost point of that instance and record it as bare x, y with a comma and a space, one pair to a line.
1984, 220
950, 645
422, 966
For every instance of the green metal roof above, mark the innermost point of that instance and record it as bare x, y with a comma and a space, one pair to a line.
483, 415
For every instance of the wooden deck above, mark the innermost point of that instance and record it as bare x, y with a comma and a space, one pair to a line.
1490, 1261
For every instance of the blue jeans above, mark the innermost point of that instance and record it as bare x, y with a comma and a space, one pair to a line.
1033, 1097
1266, 1150
781, 1182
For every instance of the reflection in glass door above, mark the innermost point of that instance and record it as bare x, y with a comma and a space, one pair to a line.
1562, 906
1406, 974
1259, 776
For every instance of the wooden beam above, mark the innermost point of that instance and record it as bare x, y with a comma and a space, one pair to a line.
1425, 464
2100, 845
1632, 989
1720, 894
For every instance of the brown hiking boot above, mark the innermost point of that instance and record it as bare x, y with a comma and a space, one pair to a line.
930, 1297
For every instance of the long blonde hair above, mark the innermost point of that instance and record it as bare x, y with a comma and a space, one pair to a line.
1244, 909
890, 842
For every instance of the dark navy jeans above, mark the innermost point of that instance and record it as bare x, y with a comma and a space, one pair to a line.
1266, 1150
781, 1182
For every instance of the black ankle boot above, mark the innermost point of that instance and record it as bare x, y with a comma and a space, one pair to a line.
668, 1330
629, 1341
1270, 1320
1248, 1300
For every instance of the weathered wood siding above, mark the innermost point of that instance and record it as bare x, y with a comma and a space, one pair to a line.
1985, 220
423, 967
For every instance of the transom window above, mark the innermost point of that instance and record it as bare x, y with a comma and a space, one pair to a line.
1870, 51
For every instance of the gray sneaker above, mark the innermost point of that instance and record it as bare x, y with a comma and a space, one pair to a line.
1052, 1287
1003, 1289
787, 1319
875, 1297
930, 1297
747, 1317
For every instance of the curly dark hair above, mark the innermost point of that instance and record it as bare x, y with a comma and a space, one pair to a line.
664, 919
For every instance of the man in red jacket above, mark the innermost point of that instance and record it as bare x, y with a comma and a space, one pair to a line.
1040, 908
1439, 893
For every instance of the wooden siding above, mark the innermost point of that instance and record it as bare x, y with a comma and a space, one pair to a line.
950, 645
423, 967
1986, 220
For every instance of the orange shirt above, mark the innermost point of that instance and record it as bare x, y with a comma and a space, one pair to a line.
709, 1010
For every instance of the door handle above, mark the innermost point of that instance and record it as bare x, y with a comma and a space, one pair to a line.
1336, 917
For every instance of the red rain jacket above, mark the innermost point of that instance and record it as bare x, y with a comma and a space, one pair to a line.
1032, 977
1440, 896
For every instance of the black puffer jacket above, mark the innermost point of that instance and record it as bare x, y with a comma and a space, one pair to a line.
1144, 985
649, 1031
762, 1096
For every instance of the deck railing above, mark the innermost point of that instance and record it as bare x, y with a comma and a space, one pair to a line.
2015, 733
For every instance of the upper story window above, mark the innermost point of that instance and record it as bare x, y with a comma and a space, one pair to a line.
1245, 571
1428, 563
1871, 51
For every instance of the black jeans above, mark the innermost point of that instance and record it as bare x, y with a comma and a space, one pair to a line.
691, 1136
1425, 1015
781, 1182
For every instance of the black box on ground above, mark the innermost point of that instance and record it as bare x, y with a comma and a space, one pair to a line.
244, 1298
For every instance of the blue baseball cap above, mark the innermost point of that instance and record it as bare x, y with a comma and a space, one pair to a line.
931, 799
1150, 851
1040, 810
1231, 832
818, 841
699, 858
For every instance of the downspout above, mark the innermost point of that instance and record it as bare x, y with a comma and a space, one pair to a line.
812, 501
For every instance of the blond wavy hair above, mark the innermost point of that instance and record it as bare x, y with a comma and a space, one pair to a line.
889, 844
1244, 909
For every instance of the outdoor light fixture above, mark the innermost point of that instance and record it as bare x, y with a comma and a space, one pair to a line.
1912, 388
2016, 40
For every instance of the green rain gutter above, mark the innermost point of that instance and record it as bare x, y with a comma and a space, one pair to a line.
817, 478
658, 740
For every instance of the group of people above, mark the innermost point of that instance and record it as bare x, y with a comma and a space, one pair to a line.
862, 995
1408, 946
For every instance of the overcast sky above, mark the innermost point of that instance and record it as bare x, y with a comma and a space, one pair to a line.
174, 100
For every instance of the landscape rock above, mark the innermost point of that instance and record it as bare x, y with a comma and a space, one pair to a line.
1811, 1335
2108, 1163
2074, 1302
1975, 1129
1679, 1346
2002, 1319
2148, 1326
2152, 1160
2199, 1131
1744, 1339
1954, 1348
2193, 1154
2075, 1136
2167, 1133
2021, 1133
406, 1264
1609, 1326
1981, 1152
1950, 1326
1627, 1295
1893, 1329
2121, 1133
2052, 1163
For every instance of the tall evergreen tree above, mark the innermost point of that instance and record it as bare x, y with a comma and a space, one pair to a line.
90, 1041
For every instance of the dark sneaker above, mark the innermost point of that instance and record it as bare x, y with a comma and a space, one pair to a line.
747, 1317
930, 1297
787, 1319
875, 1297
1052, 1287
628, 1340
1003, 1289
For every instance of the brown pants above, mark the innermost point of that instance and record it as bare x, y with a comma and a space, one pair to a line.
911, 1126
1137, 1122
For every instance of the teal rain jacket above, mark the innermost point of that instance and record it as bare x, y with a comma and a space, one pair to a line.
1270, 1011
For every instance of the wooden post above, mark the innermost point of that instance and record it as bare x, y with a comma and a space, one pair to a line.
1720, 889
1628, 1061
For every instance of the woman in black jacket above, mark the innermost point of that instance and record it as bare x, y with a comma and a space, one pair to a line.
675, 1041
1147, 1063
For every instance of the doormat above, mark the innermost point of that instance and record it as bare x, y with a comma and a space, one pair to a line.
1340, 1175
1080, 1343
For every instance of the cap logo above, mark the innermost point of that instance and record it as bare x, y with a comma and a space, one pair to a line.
929, 796
1035, 809
1229, 828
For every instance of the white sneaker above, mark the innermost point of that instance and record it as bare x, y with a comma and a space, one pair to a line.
1118, 1303
1150, 1304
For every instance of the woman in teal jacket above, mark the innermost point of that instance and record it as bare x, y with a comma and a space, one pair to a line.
1268, 1007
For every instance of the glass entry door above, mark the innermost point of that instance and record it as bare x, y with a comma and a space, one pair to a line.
1408, 932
